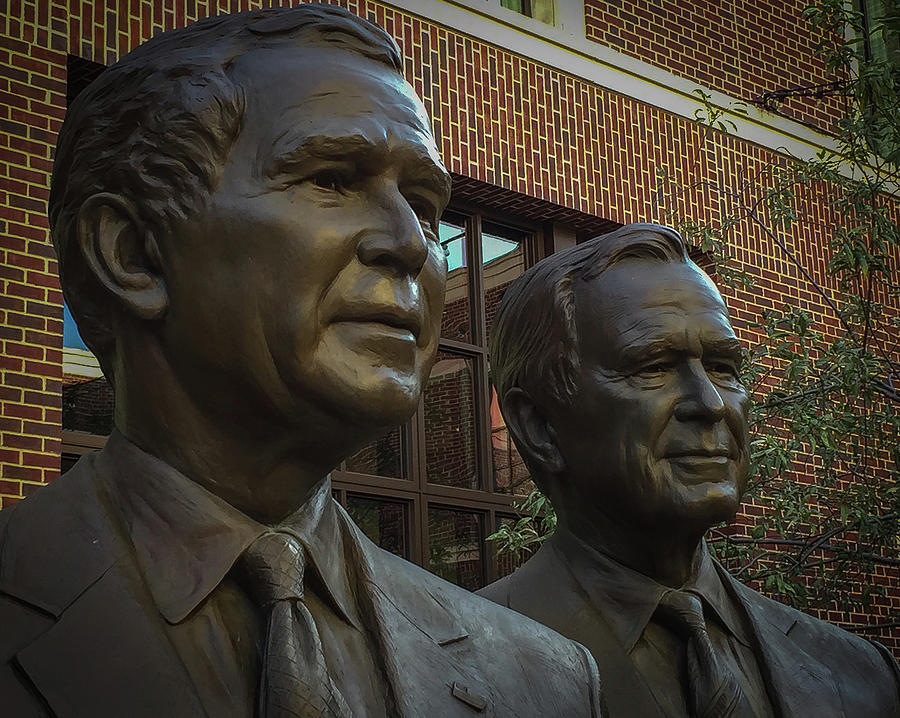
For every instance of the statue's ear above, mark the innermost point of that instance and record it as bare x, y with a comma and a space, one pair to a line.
121, 254
534, 434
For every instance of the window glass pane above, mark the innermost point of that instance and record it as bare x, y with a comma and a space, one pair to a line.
381, 520
506, 561
517, 5
456, 322
503, 254
456, 546
510, 473
381, 457
450, 448
87, 405
543, 10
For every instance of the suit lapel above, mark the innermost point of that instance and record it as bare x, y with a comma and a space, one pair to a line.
107, 653
422, 647
798, 683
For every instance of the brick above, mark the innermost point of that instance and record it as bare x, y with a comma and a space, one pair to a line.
45, 460
14, 441
25, 261
42, 399
27, 321
40, 429
43, 339
24, 290
23, 350
43, 280
10, 487
54, 311
23, 473
23, 412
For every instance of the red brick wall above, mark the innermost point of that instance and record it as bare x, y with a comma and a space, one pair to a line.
743, 48
32, 101
502, 119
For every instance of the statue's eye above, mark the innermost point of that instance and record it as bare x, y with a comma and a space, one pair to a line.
659, 367
329, 180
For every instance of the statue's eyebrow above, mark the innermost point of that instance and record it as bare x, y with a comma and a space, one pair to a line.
362, 151
730, 347
320, 147
642, 351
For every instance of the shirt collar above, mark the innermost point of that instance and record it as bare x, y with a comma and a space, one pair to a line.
628, 599
187, 539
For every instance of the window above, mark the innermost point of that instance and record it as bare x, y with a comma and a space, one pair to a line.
452, 471
541, 10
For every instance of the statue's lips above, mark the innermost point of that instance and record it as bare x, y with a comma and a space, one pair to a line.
699, 459
392, 320
701, 467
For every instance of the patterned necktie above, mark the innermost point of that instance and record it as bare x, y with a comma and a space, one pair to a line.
713, 691
295, 682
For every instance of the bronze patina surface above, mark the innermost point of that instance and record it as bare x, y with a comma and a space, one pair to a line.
245, 213
618, 375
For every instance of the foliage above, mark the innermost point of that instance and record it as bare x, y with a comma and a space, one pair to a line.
825, 418
537, 521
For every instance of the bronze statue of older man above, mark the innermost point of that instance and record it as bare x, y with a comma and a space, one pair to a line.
245, 213
618, 375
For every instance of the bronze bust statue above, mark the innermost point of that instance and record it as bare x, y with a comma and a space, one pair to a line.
245, 213
618, 375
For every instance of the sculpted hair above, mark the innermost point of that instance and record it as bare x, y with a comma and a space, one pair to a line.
534, 344
157, 127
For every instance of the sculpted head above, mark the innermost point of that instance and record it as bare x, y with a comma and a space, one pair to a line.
252, 202
618, 374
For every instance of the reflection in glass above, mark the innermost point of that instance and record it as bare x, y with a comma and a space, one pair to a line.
456, 546
379, 458
503, 254
88, 406
382, 521
450, 450
508, 562
510, 473
456, 321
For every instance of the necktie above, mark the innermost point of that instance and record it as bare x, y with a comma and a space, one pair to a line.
295, 682
713, 691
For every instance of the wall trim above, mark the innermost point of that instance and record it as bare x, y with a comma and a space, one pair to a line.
565, 48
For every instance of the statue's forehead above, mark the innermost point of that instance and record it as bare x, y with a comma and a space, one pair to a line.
296, 93
648, 303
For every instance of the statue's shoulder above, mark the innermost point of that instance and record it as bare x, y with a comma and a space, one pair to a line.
854, 661
58, 540
47, 511
534, 655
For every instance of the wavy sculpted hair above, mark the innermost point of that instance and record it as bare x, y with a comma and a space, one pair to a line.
157, 127
534, 344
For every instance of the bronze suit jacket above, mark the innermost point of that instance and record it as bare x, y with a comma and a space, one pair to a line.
811, 668
81, 637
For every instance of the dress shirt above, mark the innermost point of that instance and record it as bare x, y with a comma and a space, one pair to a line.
628, 600
186, 541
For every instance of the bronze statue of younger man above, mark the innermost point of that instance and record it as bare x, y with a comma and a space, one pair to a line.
245, 213
618, 375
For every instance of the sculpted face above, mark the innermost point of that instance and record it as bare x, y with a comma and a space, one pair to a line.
658, 433
315, 277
